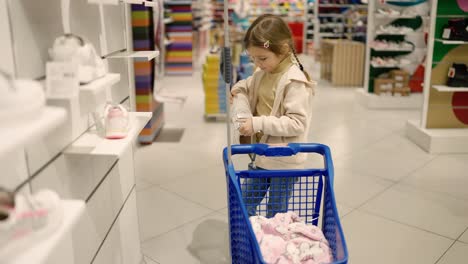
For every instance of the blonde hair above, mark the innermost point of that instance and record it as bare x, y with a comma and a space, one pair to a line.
271, 32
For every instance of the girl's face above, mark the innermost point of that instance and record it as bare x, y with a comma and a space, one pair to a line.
264, 59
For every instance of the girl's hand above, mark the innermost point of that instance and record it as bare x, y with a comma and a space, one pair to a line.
232, 95
246, 128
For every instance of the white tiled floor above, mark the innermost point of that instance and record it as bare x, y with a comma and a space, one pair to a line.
398, 204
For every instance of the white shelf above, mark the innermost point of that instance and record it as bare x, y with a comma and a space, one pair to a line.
148, 55
452, 42
378, 15
116, 2
41, 251
17, 135
99, 85
168, 20
443, 88
91, 143
438, 140
343, 5
373, 101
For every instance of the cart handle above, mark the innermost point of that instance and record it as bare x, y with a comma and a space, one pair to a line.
287, 150
282, 150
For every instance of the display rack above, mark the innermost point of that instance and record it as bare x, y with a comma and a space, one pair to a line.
340, 20
147, 30
311, 28
202, 24
93, 143
395, 52
40, 253
43, 155
19, 134
179, 53
443, 127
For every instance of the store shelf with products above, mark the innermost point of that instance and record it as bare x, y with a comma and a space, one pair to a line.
179, 54
45, 142
395, 52
341, 20
20, 133
93, 142
40, 253
443, 127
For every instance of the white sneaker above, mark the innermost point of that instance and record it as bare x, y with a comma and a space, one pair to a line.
72, 48
117, 121
20, 100
28, 220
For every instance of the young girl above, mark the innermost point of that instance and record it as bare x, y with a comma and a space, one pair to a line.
278, 95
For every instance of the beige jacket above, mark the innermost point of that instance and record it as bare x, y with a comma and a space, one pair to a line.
289, 120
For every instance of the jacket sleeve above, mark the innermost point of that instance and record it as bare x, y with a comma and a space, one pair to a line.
241, 101
293, 122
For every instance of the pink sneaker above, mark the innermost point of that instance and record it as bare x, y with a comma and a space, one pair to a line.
25, 220
117, 121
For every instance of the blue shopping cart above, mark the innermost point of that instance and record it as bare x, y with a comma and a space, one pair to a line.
311, 197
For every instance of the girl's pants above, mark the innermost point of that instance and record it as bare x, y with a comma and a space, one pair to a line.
255, 189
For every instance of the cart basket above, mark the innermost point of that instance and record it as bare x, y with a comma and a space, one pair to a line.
311, 197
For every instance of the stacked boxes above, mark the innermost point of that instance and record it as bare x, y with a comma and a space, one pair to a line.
395, 82
179, 57
214, 86
142, 28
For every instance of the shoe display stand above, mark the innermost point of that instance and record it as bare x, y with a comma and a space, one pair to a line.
202, 25
147, 31
47, 249
443, 127
311, 27
412, 52
336, 19
63, 151
179, 54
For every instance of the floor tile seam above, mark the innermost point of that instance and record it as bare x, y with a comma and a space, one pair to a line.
441, 256
176, 227
187, 199
425, 164
425, 189
405, 224
458, 238
152, 259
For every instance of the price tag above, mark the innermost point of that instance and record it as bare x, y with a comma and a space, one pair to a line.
446, 33
62, 79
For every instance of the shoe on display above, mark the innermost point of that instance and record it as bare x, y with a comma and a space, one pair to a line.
458, 75
116, 121
456, 29
72, 48
20, 100
26, 220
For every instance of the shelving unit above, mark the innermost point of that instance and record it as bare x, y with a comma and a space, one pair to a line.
341, 21
41, 252
179, 54
92, 143
45, 154
414, 56
443, 127
145, 55
23, 132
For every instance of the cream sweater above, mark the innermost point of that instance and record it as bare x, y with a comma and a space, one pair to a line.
289, 119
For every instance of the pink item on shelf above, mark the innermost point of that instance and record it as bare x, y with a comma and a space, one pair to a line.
117, 121
28, 221
463, 4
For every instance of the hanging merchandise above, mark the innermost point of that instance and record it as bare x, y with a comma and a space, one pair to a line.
74, 49
26, 220
456, 29
20, 100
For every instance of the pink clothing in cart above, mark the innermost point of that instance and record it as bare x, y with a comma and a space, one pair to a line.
287, 239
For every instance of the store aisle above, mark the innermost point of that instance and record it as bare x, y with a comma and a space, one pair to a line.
398, 204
